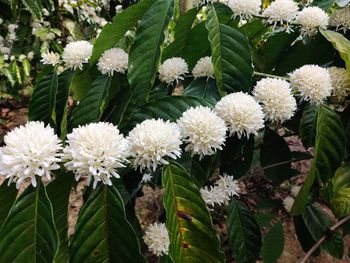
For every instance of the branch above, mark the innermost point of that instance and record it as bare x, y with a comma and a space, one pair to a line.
332, 229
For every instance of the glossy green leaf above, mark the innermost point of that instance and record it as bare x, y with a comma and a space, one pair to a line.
340, 43
102, 233
182, 33
168, 108
145, 52
34, 7
341, 179
323, 4
329, 152
203, 88
91, 107
230, 55
275, 151
273, 243
307, 128
192, 236
122, 22
243, 233
29, 233
8, 195
317, 222
58, 192
304, 236
42, 102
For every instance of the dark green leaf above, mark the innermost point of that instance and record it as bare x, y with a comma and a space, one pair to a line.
102, 233
203, 88
273, 243
243, 233
324, 4
304, 236
122, 22
230, 55
8, 195
307, 129
91, 107
145, 52
192, 236
275, 152
341, 179
34, 7
29, 233
329, 152
42, 103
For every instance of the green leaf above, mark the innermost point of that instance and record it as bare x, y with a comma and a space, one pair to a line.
323, 4
168, 108
119, 106
34, 7
307, 128
340, 203
273, 243
91, 107
329, 152
341, 179
145, 52
244, 235
203, 88
122, 22
8, 195
59, 191
102, 233
192, 236
29, 233
80, 83
183, 31
42, 103
275, 151
230, 55
340, 43
317, 223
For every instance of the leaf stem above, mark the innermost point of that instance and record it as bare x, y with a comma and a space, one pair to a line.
332, 229
266, 75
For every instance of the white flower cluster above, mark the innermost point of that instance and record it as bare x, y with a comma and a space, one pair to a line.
312, 82
203, 130
245, 9
242, 114
113, 60
172, 70
75, 54
203, 68
50, 58
277, 101
340, 79
30, 150
151, 141
341, 19
157, 239
281, 12
96, 150
220, 194
311, 18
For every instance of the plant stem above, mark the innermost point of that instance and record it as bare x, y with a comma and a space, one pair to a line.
285, 162
332, 229
265, 75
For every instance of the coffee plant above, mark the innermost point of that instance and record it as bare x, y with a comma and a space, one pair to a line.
193, 100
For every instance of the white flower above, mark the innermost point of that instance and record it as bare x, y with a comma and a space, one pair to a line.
295, 190
203, 130
312, 81
157, 239
311, 18
147, 177
75, 54
288, 203
245, 8
30, 150
96, 150
340, 79
114, 59
281, 11
222, 191
203, 68
277, 101
242, 114
173, 69
152, 141
341, 19
50, 58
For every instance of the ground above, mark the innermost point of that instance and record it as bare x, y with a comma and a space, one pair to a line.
149, 207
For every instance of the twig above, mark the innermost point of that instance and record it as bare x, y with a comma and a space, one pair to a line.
260, 74
332, 229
